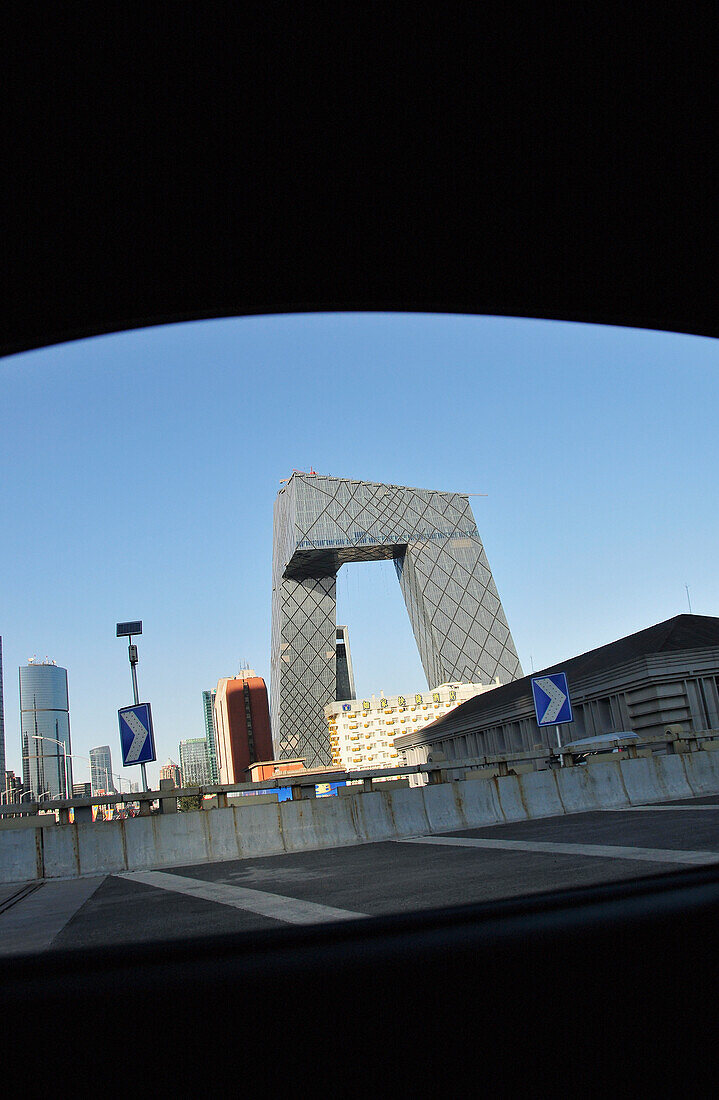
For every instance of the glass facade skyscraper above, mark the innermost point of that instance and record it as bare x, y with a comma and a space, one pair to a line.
453, 604
194, 765
101, 770
208, 707
45, 730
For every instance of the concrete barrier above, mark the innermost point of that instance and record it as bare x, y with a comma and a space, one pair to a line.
222, 839
21, 855
672, 776
702, 771
310, 823
406, 809
443, 807
371, 815
60, 852
540, 795
101, 847
607, 783
261, 829
480, 802
510, 798
576, 789
641, 781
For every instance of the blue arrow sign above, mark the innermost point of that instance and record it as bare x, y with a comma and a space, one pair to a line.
551, 699
137, 739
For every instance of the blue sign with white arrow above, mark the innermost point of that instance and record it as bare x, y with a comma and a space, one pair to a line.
551, 699
137, 739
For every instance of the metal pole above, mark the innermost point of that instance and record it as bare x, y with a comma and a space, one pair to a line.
132, 653
559, 745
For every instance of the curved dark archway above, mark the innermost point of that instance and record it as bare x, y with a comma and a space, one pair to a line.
161, 171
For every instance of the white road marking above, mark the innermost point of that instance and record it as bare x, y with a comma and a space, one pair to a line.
140, 732
604, 851
289, 910
33, 923
556, 698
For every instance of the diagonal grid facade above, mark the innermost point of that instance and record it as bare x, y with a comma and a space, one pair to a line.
321, 523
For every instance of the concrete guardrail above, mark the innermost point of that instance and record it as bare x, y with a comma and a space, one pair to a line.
43, 850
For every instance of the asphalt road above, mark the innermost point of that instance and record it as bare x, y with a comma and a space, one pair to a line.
498, 861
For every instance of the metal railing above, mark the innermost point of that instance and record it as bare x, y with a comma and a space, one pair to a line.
438, 769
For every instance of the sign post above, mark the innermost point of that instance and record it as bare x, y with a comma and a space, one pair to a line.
135, 722
552, 704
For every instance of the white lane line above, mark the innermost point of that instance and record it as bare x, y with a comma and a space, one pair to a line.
630, 809
33, 923
290, 910
605, 851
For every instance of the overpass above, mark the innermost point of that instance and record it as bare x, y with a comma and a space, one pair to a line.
39, 843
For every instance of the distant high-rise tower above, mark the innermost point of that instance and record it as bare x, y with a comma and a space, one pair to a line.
242, 720
45, 729
194, 764
101, 770
344, 674
321, 523
170, 770
2, 725
208, 706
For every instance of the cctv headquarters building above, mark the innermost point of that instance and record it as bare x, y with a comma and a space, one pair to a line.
320, 523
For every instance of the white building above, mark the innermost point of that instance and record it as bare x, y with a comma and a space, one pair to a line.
362, 731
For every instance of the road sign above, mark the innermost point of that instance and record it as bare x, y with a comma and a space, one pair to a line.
137, 739
551, 699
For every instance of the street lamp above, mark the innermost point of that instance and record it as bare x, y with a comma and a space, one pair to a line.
43, 737
31, 793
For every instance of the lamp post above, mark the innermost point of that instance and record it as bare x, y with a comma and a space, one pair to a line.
65, 754
126, 630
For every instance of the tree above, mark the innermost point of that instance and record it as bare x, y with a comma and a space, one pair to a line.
189, 802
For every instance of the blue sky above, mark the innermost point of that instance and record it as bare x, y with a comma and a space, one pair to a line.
139, 472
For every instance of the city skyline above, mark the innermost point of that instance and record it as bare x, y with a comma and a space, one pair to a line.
595, 445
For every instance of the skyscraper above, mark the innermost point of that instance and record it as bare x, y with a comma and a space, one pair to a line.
101, 770
2, 725
45, 729
194, 764
170, 770
242, 719
320, 523
344, 676
208, 706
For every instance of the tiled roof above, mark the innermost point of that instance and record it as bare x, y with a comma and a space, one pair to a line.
678, 633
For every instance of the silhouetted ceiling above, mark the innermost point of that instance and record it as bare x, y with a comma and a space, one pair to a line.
197, 165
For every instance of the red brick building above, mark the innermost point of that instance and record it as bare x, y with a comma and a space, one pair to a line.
242, 720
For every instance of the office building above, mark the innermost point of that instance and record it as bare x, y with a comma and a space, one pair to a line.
13, 787
208, 710
170, 770
362, 731
320, 523
664, 676
82, 790
2, 720
194, 765
242, 721
45, 729
343, 657
101, 770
